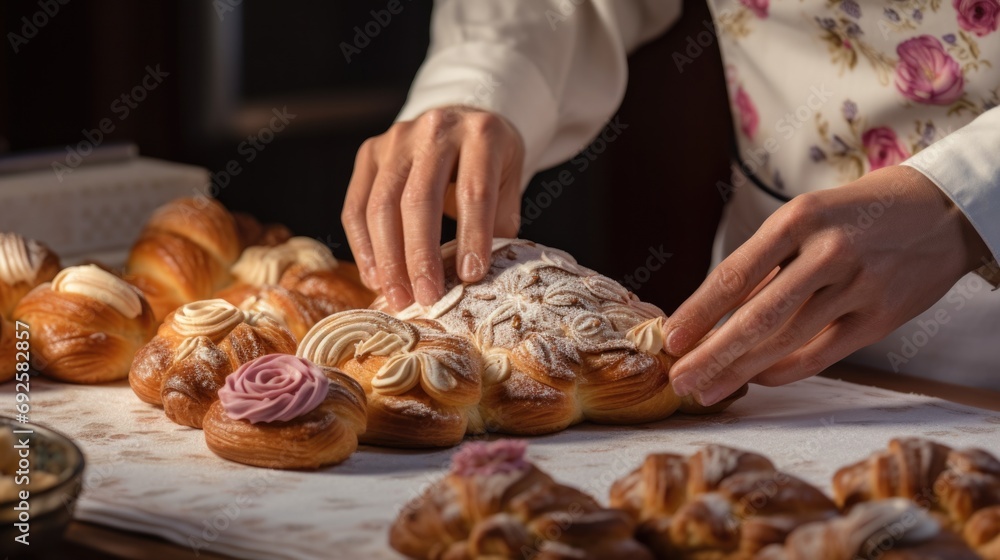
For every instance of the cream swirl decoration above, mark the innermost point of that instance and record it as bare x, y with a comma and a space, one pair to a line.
478, 458
211, 318
261, 266
310, 253
356, 333
20, 258
274, 388
264, 266
402, 372
98, 284
190, 345
647, 336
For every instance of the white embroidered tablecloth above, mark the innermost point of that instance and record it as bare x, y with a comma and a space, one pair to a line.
147, 474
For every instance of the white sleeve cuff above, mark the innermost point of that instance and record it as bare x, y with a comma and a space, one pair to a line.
966, 166
492, 77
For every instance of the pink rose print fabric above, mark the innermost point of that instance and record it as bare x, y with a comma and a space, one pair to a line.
978, 16
883, 148
758, 7
747, 111
926, 73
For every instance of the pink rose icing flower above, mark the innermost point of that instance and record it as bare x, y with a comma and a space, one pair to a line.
273, 388
978, 16
747, 113
758, 7
485, 459
883, 148
926, 73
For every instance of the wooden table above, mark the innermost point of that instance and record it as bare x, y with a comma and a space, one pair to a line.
87, 541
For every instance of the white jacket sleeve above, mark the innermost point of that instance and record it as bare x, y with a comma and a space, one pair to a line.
556, 69
966, 166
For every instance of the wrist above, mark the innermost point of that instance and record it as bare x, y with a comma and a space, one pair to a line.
967, 241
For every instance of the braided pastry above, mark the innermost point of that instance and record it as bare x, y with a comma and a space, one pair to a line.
561, 343
196, 347
721, 503
494, 504
952, 483
893, 529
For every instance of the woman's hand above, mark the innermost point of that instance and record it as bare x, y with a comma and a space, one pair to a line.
829, 273
455, 160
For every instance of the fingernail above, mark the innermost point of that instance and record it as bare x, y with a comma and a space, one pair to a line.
712, 395
472, 266
677, 340
684, 384
426, 291
369, 277
398, 296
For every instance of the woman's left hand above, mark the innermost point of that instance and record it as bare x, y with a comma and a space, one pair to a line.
830, 272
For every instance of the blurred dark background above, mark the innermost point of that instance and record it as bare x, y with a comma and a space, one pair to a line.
650, 192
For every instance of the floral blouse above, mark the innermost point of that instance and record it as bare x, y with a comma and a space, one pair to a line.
900, 76
822, 91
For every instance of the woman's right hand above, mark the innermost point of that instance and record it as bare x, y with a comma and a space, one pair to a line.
459, 161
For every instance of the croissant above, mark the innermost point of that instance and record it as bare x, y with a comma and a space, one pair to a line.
422, 384
953, 483
283, 412
494, 504
561, 343
8, 350
85, 325
196, 347
893, 529
301, 265
721, 503
184, 253
24, 264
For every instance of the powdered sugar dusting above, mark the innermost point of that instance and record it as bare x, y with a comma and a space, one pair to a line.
534, 289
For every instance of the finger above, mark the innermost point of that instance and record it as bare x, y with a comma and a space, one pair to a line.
423, 205
729, 284
476, 196
508, 217
385, 227
815, 315
844, 335
752, 324
354, 218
